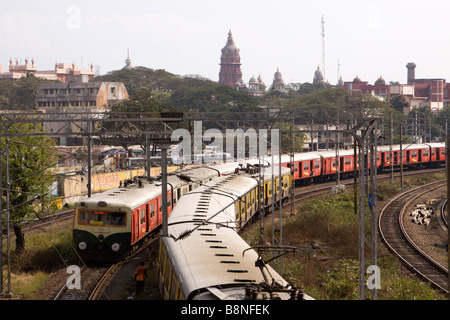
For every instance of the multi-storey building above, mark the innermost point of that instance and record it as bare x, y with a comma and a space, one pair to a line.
62, 101
64, 72
432, 93
90, 95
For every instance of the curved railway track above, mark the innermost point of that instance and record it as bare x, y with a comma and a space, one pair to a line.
443, 213
394, 235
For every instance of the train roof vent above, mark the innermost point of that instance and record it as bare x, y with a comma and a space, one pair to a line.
237, 270
224, 255
244, 280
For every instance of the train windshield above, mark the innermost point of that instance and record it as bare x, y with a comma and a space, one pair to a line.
101, 218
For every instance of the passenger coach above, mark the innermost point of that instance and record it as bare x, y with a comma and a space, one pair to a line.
108, 225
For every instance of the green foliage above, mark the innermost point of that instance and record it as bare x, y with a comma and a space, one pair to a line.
150, 79
319, 104
20, 94
288, 142
399, 103
411, 289
343, 281
158, 90
385, 190
331, 216
30, 157
213, 97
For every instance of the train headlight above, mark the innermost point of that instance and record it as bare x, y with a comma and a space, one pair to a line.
82, 245
115, 247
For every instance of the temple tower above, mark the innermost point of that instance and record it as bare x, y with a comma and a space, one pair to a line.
230, 65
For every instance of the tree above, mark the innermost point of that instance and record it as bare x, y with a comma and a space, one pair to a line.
290, 142
399, 103
150, 79
20, 94
30, 158
322, 104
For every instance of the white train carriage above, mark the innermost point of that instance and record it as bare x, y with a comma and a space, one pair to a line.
204, 258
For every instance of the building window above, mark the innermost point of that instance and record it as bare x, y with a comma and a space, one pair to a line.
113, 92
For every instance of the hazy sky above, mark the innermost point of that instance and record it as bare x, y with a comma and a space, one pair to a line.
369, 38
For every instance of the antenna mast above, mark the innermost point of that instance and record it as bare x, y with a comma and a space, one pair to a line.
339, 71
323, 46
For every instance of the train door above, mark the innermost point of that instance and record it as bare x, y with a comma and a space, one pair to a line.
153, 218
169, 202
386, 158
147, 219
159, 208
326, 166
296, 171
142, 222
317, 167
304, 169
136, 225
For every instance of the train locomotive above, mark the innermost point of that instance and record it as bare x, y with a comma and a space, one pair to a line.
204, 258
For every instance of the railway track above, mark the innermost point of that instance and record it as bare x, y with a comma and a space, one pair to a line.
443, 213
95, 280
394, 235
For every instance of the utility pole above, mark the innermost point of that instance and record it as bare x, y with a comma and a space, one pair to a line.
361, 232
368, 133
401, 155
373, 200
1, 225
391, 156
8, 216
447, 158
89, 167
147, 155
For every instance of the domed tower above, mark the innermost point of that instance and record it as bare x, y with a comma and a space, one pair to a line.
318, 76
278, 83
230, 65
380, 81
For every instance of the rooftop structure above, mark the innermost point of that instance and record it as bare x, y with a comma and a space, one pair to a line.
64, 72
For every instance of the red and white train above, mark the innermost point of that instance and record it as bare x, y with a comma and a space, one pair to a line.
323, 165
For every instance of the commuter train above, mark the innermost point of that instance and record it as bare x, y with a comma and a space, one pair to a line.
324, 165
110, 224
204, 258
